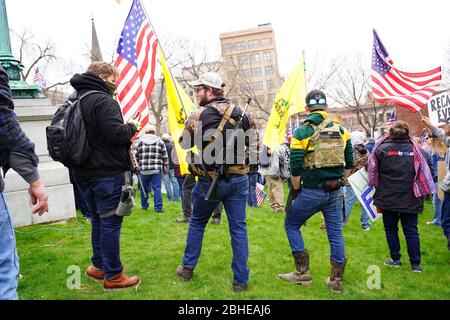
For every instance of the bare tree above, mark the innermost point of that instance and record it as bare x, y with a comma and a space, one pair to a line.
351, 89
38, 52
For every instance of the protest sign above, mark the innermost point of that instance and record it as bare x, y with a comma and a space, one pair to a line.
364, 193
439, 108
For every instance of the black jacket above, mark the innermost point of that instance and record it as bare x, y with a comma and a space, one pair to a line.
396, 178
169, 148
108, 136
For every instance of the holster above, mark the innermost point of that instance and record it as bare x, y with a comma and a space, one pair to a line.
127, 200
333, 185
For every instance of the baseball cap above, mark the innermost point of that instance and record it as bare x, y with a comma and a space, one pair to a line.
316, 100
210, 79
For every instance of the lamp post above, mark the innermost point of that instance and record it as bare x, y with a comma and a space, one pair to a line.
12, 66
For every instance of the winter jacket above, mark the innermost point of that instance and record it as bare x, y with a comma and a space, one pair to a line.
151, 154
169, 148
396, 175
109, 137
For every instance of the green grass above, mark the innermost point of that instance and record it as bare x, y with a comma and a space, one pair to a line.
152, 246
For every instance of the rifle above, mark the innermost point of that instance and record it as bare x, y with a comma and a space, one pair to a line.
135, 170
211, 194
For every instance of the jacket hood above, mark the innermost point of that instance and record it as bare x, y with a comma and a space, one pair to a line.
150, 139
88, 81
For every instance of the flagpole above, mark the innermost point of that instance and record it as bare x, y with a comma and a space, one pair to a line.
164, 55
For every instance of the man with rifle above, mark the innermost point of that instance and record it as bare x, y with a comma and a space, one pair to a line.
222, 175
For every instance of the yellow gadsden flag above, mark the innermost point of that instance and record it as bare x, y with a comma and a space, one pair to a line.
179, 107
289, 101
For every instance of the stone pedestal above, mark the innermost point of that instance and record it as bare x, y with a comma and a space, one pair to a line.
34, 116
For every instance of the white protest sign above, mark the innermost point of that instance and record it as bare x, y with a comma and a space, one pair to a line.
364, 193
439, 108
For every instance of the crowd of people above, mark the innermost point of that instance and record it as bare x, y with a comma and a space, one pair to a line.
315, 163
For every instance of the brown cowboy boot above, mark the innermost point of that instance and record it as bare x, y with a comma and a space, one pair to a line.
334, 282
301, 275
120, 282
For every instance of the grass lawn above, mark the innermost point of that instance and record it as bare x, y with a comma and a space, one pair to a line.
152, 246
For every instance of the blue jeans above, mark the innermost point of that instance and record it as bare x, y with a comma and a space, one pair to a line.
171, 185
350, 199
437, 205
445, 215
309, 202
9, 261
233, 195
409, 225
152, 182
253, 179
102, 194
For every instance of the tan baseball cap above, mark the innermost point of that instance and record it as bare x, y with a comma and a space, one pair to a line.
210, 79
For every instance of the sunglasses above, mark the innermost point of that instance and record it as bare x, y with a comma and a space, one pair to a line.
314, 101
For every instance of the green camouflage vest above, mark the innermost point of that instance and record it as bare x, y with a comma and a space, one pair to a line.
328, 147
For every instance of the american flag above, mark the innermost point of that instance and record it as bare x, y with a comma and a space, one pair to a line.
405, 89
136, 64
260, 194
39, 79
392, 119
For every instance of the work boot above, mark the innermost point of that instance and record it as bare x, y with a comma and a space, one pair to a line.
239, 288
184, 273
95, 274
121, 282
334, 281
301, 275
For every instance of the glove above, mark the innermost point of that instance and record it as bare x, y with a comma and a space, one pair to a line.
137, 123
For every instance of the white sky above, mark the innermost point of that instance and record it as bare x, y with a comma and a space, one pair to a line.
416, 33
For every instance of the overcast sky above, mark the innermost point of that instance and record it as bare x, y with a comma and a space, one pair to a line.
416, 33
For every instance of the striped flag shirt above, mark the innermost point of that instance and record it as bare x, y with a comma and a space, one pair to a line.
136, 64
405, 89
260, 194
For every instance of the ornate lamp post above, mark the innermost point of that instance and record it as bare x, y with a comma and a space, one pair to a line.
20, 89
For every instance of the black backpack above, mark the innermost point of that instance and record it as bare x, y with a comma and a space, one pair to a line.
67, 140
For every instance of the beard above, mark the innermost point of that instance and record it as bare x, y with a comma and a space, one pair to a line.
203, 101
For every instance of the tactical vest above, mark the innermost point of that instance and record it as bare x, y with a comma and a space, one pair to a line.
225, 110
328, 147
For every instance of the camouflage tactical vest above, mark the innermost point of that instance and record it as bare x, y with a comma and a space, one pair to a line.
328, 147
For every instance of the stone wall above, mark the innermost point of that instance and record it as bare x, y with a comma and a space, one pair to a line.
34, 116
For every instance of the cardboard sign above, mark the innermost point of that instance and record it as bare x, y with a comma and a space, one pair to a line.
439, 108
364, 193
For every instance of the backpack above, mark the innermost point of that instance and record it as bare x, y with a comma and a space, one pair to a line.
329, 147
67, 140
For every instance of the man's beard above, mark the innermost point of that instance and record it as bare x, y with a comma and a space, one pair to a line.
203, 101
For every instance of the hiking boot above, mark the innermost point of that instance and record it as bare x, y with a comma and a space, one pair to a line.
393, 263
95, 274
184, 219
334, 281
121, 282
238, 288
416, 268
184, 273
448, 242
301, 275
216, 220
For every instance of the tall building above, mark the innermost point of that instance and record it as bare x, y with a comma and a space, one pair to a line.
250, 68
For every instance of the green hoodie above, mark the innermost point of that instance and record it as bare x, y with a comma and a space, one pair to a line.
313, 178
